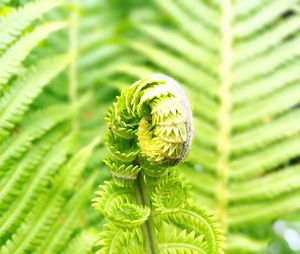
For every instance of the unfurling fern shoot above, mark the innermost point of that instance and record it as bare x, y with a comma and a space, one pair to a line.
147, 205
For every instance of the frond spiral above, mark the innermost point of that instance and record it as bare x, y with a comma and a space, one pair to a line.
150, 122
150, 130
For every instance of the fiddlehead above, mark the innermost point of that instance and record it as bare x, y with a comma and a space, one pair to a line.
149, 127
149, 131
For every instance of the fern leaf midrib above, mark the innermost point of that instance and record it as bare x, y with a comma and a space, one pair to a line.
73, 50
224, 111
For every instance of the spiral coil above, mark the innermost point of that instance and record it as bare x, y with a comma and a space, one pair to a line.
150, 128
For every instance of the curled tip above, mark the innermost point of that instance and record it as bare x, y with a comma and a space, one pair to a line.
171, 122
153, 117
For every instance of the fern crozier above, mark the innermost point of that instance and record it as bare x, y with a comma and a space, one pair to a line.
150, 124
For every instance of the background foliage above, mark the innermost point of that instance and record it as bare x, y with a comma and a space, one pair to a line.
62, 64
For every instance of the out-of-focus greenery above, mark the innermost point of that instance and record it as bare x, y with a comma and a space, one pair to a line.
60, 68
286, 237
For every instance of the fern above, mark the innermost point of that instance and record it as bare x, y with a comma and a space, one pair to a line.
238, 62
149, 130
12, 58
82, 243
42, 195
63, 62
17, 21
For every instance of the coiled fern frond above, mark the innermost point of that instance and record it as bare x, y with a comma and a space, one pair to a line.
149, 130
152, 118
238, 62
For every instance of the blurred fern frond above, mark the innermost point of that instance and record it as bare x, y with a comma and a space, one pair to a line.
44, 189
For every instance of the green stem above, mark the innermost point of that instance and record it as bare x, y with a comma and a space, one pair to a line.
223, 165
73, 51
148, 229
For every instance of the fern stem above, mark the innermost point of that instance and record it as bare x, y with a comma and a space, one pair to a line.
224, 112
73, 51
147, 227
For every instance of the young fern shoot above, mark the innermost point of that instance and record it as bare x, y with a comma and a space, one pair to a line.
147, 205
